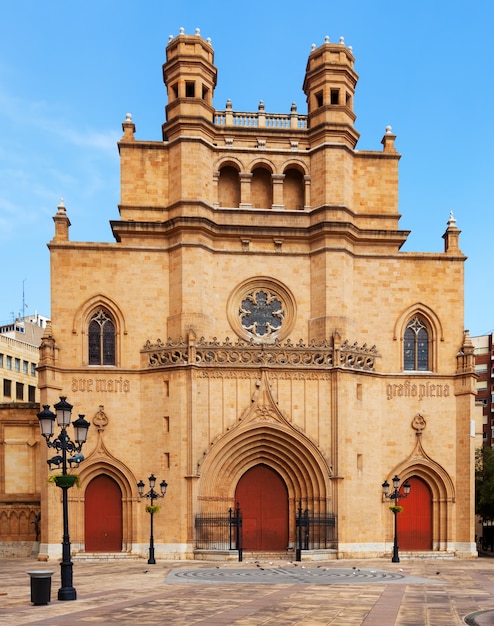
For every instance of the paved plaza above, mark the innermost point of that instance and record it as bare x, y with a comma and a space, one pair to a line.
423, 592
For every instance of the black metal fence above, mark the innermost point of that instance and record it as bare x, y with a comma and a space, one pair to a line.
314, 532
216, 531
220, 532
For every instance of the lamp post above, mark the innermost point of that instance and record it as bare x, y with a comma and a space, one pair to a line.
63, 444
152, 495
395, 495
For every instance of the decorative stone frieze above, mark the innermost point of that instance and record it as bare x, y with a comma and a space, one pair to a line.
323, 355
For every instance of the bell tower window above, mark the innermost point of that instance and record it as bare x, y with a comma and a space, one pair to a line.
190, 89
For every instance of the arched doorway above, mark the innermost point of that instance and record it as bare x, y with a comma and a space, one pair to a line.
263, 499
103, 515
415, 521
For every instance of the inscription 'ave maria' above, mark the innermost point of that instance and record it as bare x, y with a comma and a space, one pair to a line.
417, 390
98, 385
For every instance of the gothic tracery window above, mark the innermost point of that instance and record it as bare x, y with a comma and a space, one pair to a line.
261, 313
416, 345
101, 339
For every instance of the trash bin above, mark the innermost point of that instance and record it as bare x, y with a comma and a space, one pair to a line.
40, 586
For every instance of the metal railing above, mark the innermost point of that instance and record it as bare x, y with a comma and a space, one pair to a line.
314, 532
219, 531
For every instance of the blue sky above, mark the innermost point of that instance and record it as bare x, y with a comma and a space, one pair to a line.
71, 70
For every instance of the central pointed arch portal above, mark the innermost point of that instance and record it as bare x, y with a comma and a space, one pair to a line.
268, 468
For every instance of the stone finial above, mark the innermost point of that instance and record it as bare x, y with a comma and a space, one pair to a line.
465, 359
326, 39
388, 141
100, 419
342, 41
293, 108
452, 235
170, 37
229, 104
47, 347
61, 210
128, 128
182, 30
209, 40
48, 331
313, 47
62, 223
261, 105
418, 423
198, 31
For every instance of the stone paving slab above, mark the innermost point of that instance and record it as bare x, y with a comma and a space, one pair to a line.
133, 593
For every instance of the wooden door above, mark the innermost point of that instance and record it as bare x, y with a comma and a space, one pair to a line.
263, 499
415, 521
103, 515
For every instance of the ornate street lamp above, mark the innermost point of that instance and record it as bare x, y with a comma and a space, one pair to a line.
395, 495
63, 444
151, 509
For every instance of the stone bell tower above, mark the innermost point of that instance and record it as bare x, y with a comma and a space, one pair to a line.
190, 79
329, 85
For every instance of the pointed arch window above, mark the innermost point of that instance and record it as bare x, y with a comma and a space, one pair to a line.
416, 345
101, 339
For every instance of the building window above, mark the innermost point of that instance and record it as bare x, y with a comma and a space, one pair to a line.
190, 89
9, 362
1, 360
416, 345
19, 391
261, 310
25, 365
7, 388
31, 393
261, 313
17, 363
101, 336
33, 369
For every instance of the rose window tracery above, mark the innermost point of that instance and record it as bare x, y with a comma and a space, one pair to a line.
261, 313
261, 310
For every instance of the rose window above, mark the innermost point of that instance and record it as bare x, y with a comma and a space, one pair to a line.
261, 313
262, 310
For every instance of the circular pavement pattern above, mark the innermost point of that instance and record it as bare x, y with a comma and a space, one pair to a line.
290, 575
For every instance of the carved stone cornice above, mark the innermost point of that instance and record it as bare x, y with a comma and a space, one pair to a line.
324, 355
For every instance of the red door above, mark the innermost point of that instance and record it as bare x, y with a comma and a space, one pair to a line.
415, 521
103, 515
263, 499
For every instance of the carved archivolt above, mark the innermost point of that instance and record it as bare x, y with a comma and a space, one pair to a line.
419, 463
264, 436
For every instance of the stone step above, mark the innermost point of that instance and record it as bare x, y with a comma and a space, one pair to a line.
404, 555
104, 556
269, 556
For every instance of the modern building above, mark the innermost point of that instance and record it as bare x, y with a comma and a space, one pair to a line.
256, 337
20, 471
484, 367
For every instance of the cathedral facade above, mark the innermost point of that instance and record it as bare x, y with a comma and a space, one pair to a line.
255, 337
